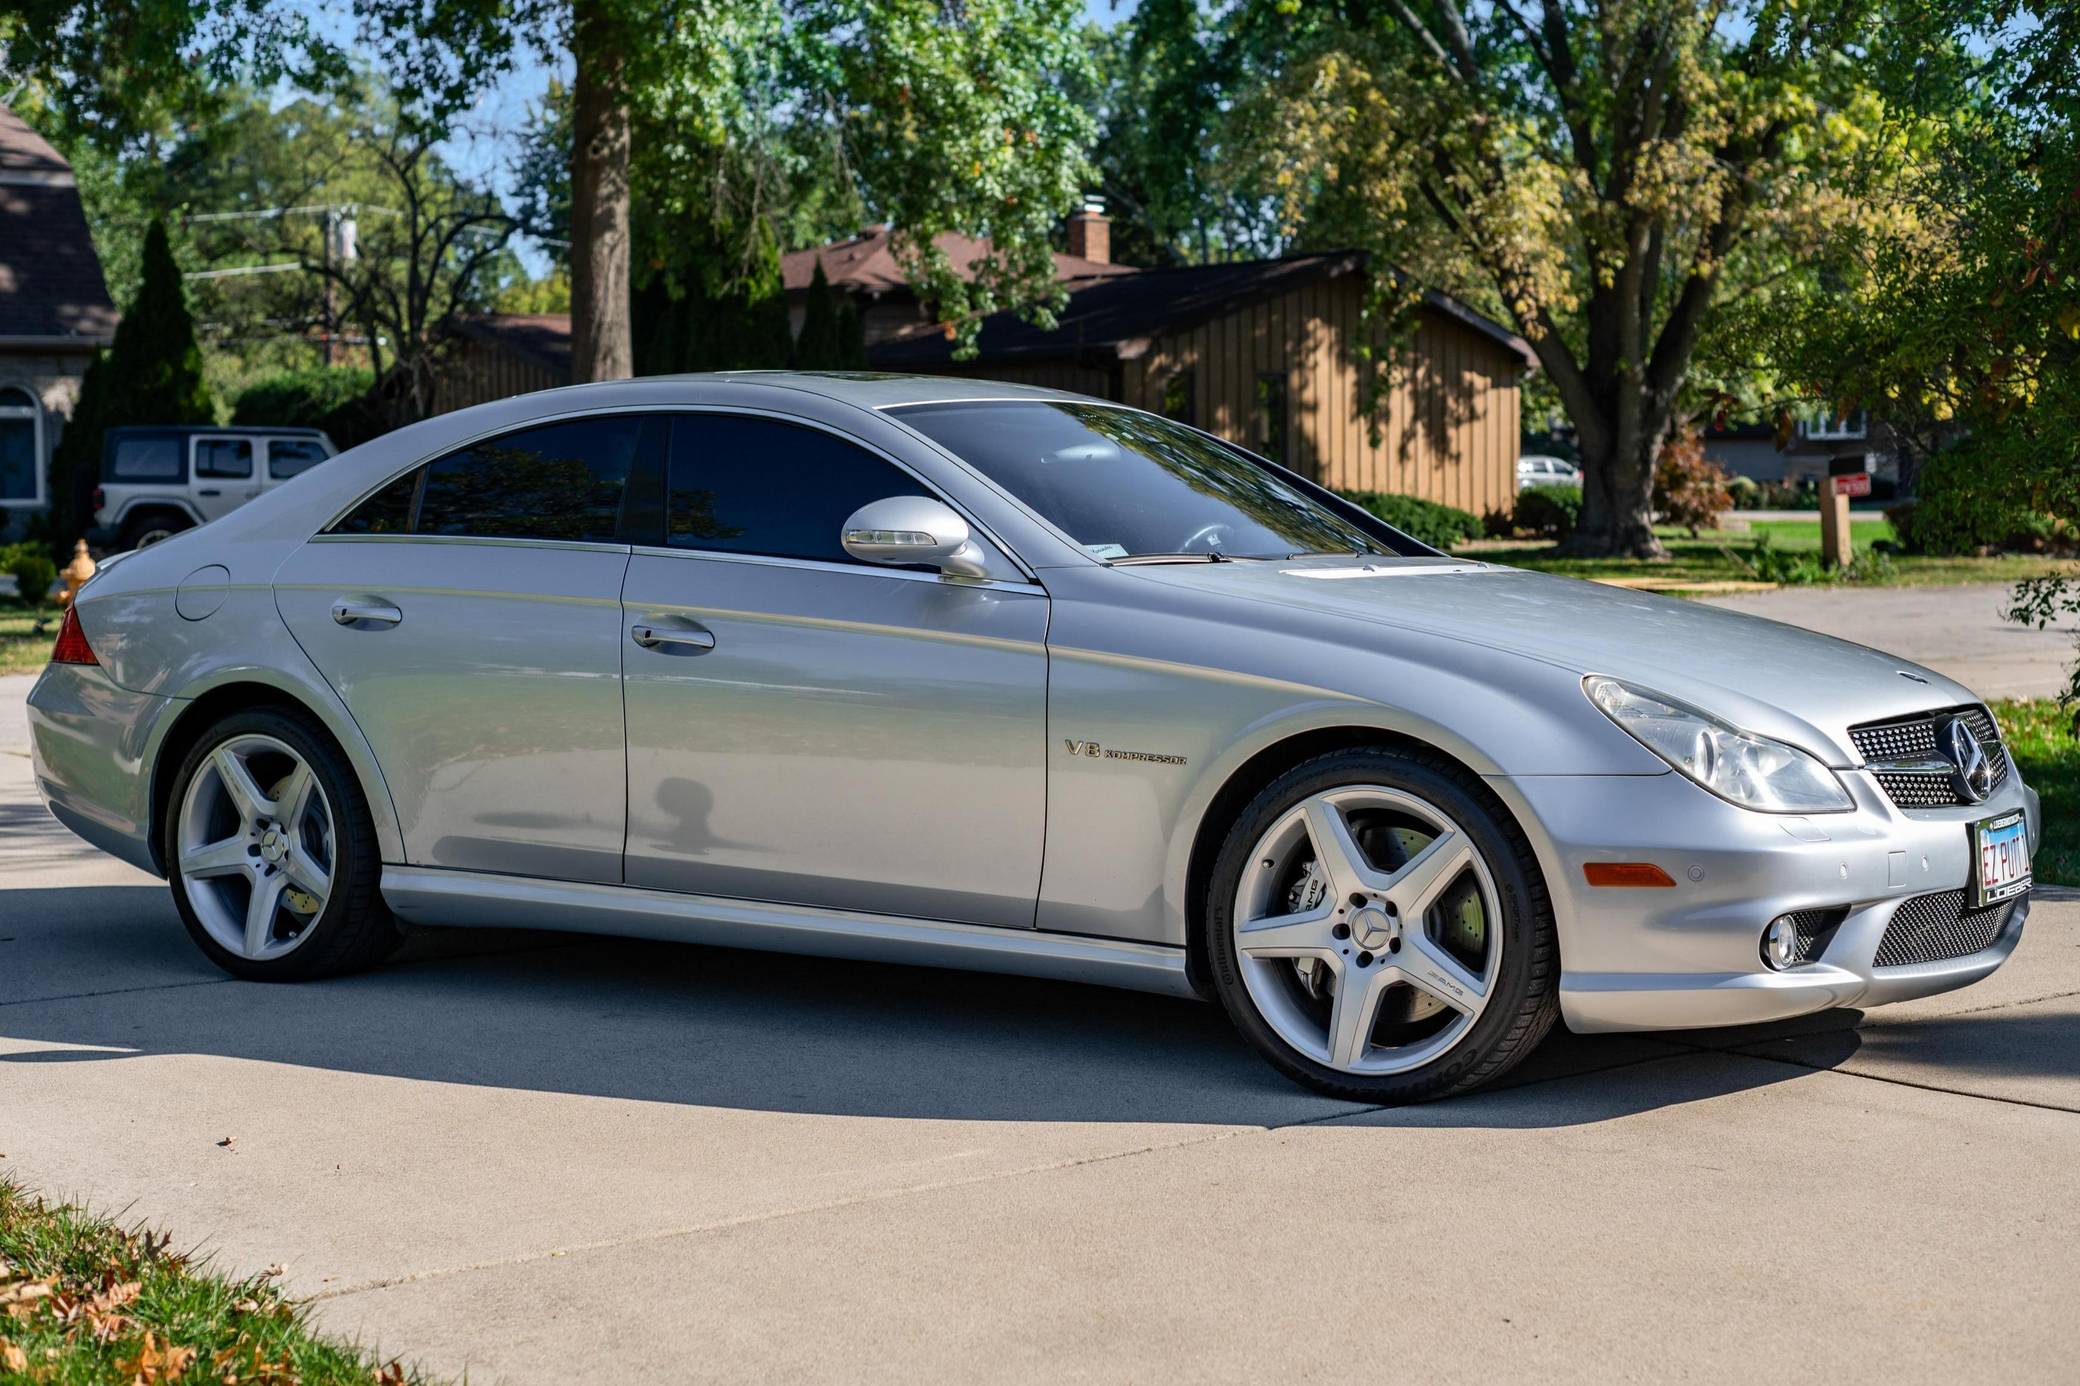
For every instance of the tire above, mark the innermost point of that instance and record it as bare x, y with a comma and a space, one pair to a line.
143, 530
1308, 931
217, 855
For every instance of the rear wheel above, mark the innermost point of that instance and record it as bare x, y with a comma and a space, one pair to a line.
272, 854
1380, 932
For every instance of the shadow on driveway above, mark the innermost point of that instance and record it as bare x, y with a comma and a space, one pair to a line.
718, 1027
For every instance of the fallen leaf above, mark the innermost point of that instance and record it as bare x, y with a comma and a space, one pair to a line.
228, 1142
247, 1306
278, 1268
13, 1358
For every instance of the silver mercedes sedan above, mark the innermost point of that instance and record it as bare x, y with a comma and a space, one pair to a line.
994, 677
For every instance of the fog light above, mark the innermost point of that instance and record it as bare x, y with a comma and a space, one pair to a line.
1780, 943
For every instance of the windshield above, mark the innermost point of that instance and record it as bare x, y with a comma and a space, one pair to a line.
1130, 485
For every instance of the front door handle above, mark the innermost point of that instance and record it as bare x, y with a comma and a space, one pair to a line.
351, 613
687, 639
210, 491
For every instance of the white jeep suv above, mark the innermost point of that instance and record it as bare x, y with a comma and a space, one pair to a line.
159, 480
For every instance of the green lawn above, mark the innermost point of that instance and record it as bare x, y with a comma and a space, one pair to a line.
23, 650
1728, 556
2040, 738
83, 1300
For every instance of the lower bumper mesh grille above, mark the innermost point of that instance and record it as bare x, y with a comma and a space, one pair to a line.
1937, 928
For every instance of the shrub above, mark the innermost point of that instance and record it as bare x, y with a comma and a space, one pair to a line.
1549, 510
1689, 488
31, 568
1439, 526
1957, 512
301, 399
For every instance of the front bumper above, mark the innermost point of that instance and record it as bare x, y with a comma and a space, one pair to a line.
1689, 957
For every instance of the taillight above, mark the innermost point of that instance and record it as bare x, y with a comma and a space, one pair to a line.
100, 498
72, 646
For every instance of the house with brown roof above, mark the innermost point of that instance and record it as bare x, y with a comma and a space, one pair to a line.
1265, 354
54, 311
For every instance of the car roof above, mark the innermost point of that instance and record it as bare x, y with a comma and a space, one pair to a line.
865, 389
271, 430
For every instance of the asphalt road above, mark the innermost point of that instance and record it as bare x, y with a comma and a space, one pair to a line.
539, 1158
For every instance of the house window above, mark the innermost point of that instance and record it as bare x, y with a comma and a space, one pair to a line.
1271, 418
21, 448
1179, 397
1834, 429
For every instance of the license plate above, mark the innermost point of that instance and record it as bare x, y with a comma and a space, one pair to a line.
2000, 853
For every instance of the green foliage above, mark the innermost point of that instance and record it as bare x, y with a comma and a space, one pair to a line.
155, 366
1439, 526
1957, 512
1767, 563
1549, 510
710, 310
302, 398
76, 460
819, 348
32, 568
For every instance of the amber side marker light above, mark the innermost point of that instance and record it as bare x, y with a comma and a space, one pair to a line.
1625, 873
72, 646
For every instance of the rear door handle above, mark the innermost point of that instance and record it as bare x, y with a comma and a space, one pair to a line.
686, 639
352, 613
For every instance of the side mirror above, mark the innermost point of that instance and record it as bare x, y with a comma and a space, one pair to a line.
907, 530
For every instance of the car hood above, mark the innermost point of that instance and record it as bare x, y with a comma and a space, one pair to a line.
1762, 675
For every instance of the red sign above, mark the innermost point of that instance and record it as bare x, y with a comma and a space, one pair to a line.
1854, 484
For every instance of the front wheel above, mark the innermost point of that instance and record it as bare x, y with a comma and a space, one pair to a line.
1379, 931
272, 854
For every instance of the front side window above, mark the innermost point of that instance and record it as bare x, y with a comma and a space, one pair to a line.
146, 458
562, 481
1124, 484
224, 458
287, 457
739, 484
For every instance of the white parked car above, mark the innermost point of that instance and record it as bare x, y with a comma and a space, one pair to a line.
159, 480
1538, 470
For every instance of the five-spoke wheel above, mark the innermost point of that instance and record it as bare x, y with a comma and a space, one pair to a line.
270, 848
1372, 910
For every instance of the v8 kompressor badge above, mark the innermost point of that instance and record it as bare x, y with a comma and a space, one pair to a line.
1097, 752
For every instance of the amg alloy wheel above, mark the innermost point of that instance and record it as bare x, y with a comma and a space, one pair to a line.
271, 852
1380, 933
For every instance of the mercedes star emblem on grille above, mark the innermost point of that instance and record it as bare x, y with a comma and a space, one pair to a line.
1973, 773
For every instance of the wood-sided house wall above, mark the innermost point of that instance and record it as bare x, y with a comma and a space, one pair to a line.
1450, 432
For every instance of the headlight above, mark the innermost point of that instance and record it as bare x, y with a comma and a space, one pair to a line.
1740, 767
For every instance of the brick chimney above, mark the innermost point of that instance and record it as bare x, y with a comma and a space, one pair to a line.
1090, 232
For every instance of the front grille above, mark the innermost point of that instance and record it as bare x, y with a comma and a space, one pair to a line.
1885, 745
1936, 928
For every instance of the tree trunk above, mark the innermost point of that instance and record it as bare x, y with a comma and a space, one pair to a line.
601, 340
1617, 503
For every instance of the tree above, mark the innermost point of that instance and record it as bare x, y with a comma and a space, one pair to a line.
819, 347
155, 367
76, 460
1607, 176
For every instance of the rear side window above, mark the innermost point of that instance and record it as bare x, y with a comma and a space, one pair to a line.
224, 457
287, 457
565, 481
751, 485
149, 458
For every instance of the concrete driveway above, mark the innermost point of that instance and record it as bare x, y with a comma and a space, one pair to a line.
1960, 631
538, 1158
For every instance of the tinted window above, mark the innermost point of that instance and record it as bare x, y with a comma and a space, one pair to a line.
224, 457
1121, 482
150, 458
563, 481
745, 485
388, 511
287, 457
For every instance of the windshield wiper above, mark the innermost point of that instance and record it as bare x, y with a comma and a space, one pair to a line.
1171, 558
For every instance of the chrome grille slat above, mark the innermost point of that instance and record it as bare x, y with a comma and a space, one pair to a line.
1938, 927
1890, 745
